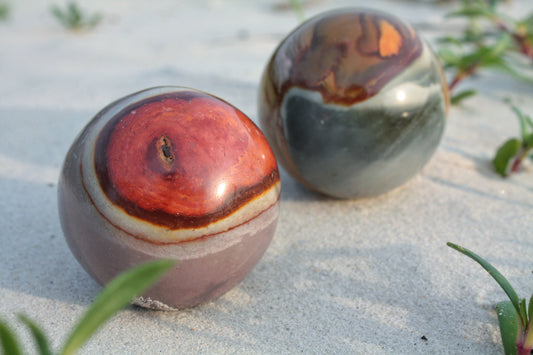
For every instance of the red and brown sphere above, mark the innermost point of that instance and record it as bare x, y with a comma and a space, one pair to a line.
170, 173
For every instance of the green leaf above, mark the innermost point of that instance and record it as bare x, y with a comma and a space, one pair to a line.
522, 312
459, 97
73, 18
4, 11
505, 156
486, 55
508, 320
530, 309
74, 14
448, 56
523, 119
472, 12
38, 336
496, 275
528, 341
116, 295
449, 40
8, 340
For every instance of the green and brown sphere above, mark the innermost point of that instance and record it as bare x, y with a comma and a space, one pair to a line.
353, 103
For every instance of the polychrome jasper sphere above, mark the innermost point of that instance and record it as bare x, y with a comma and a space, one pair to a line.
353, 103
170, 173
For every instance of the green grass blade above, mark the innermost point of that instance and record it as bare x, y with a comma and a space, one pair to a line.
523, 119
38, 336
74, 15
116, 295
528, 342
530, 309
471, 12
505, 156
4, 11
459, 97
508, 320
496, 275
523, 312
8, 341
59, 15
448, 56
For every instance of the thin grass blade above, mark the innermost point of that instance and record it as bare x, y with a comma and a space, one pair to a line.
39, 337
115, 296
508, 319
496, 275
8, 340
530, 310
459, 97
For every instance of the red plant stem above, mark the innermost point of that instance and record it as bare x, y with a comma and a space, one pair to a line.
520, 39
462, 74
454, 82
524, 152
520, 348
525, 47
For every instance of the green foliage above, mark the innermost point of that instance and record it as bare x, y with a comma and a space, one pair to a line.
460, 96
115, 296
516, 323
73, 18
8, 340
38, 335
492, 41
511, 154
508, 320
505, 156
487, 42
4, 11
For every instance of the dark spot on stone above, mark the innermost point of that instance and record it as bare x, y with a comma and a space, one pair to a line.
423, 337
166, 149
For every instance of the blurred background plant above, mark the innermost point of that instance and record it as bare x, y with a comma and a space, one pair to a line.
4, 10
73, 18
511, 155
493, 40
490, 40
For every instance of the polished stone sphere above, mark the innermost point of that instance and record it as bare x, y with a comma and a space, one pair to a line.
353, 103
170, 173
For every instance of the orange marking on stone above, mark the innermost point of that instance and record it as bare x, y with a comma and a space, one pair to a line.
390, 40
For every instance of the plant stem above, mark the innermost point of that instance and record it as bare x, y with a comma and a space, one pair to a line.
520, 39
461, 75
524, 153
525, 47
528, 337
521, 350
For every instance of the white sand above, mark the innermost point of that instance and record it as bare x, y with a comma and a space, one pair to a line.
371, 276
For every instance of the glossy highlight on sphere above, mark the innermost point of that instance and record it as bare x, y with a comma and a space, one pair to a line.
353, 103
171, 173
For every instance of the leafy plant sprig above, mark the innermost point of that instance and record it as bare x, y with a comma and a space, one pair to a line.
515, 318
73, 18
511, 154
115, 296
4, 10
486, 43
